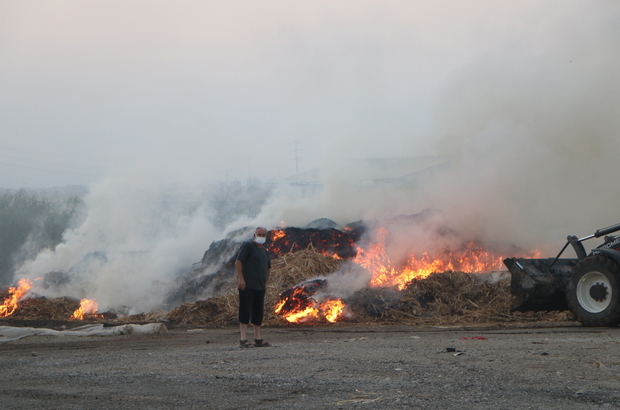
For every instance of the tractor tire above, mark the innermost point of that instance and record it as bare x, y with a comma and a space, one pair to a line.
593, 292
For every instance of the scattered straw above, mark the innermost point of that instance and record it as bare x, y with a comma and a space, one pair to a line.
442, 298
45, 309
447, 298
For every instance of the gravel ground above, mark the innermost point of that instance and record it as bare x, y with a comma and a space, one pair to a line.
549, 366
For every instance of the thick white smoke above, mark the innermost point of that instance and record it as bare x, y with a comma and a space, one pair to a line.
533, 131
132, 244
530, 128
522, 105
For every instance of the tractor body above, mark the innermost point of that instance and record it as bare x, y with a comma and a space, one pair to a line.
588, 285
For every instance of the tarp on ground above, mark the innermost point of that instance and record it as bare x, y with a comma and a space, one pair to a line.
9, 333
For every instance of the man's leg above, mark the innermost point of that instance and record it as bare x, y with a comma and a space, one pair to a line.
258, 311
245, 308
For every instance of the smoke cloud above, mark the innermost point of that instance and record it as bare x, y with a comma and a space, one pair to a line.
515, 103
530, 129
533, 135
128, 250
347, 280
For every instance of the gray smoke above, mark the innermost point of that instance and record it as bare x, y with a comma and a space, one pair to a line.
518, 101
532, 128
347, 280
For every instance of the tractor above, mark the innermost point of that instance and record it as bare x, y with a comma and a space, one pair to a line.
588, 285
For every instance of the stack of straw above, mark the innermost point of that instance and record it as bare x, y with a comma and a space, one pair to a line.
41, 308
286, 272
448, 298
442, 298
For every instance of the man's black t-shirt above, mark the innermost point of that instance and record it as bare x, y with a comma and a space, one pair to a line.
255, 262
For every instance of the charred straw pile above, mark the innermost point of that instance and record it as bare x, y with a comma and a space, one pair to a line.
442, 298
445, 298
40, 308
286, 272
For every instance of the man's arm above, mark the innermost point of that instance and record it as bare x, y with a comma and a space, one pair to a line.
239, 268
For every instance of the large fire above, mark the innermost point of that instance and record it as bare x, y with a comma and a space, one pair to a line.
300, 305
471, 258
15, 295
87, 308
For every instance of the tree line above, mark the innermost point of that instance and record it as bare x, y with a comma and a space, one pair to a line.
30, 223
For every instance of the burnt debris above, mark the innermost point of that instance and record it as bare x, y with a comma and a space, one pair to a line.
215, 273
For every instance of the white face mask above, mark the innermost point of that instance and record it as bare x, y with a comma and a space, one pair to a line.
260, 239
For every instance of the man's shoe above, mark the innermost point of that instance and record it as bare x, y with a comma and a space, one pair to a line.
260, 343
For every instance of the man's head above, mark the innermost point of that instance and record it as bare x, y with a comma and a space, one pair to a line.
260, 235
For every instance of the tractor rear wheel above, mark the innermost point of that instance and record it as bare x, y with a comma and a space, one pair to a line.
593, 294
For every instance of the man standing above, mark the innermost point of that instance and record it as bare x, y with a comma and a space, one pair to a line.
253, 267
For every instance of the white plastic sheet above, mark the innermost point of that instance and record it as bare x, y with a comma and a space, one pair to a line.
9, 334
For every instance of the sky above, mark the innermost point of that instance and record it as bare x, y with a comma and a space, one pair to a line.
223, 89
128, 97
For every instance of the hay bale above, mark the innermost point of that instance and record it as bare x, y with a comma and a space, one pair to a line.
452, 295
41, 308
442, 298
286, 272
459, 298
199, 313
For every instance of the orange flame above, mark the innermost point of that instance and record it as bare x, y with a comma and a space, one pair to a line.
302, 308
332, 309
471, 259
276, 234
15, 295
298, 305
87, 308
308, 313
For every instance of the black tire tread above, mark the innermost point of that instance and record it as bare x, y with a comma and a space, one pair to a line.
611, 315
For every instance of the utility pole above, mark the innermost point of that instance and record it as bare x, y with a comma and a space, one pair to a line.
297, 157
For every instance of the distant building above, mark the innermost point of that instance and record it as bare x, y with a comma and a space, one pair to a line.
367, 172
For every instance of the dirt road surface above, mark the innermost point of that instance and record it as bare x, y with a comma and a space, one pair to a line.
546, 366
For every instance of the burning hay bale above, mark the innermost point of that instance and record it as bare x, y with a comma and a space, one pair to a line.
300, 297
444, 298
46, 309
216, 270
19, 306
310, 301
286, 272
16, 305
387, 278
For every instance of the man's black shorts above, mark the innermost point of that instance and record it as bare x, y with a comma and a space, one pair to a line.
251, 306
